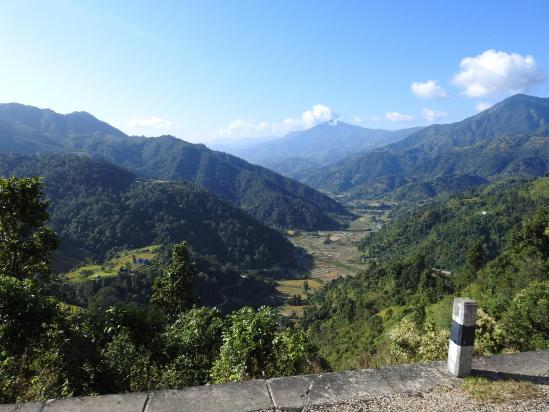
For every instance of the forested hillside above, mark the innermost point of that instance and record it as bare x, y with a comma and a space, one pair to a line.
495, 244
269, 197
509, 139
96, 207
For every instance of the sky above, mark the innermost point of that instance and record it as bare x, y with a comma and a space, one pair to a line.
214, 71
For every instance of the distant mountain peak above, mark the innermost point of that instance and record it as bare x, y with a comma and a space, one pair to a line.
520, 98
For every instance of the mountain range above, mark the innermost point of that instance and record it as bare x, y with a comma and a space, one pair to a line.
271, 198
321, 145
511, 138
342, 160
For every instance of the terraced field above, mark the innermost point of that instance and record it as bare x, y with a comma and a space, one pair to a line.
334, 254
296, 287
128, 260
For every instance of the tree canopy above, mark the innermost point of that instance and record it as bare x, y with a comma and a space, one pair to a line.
26, 244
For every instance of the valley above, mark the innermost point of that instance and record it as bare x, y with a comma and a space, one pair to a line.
202, 193
323, 256
328, 255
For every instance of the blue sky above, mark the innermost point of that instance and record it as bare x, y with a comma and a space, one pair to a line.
212, 70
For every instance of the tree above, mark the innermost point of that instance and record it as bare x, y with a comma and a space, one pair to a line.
476, 256
173, 291
25, 314
26, 244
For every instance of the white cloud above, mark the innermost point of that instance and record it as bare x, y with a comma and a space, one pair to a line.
356, 120
481, 106
246, 128
431, 115
428, 90
399, 117
319, 113
497, 72
149, 123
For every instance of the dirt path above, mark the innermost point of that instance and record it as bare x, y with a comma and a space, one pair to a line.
224, 288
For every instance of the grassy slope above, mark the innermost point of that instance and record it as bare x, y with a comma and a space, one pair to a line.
111, 267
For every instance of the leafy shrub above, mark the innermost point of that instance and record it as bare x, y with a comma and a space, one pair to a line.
192, 344
408, 343
254, 347
526, 322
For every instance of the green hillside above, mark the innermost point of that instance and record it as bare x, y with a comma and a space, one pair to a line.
97, 207
495, 244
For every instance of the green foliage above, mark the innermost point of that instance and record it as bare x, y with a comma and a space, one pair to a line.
126, 363
192, 344
247, 346
48, 351
409, 344
254, 347
27, 244
525, 323
489, 334
25, 314
37, 375
458, 233
173, 291
476, 256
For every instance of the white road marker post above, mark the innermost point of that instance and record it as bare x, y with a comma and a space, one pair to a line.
462, 337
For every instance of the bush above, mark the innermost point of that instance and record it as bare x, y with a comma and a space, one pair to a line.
489, 335
408, 343
127, 364
254, 347
192, 344
526, 322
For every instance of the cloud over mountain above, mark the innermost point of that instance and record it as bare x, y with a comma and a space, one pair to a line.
431, 115
318, 114
399, 117
493, 72
481, 106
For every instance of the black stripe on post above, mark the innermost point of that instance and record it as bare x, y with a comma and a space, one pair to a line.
462, 335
